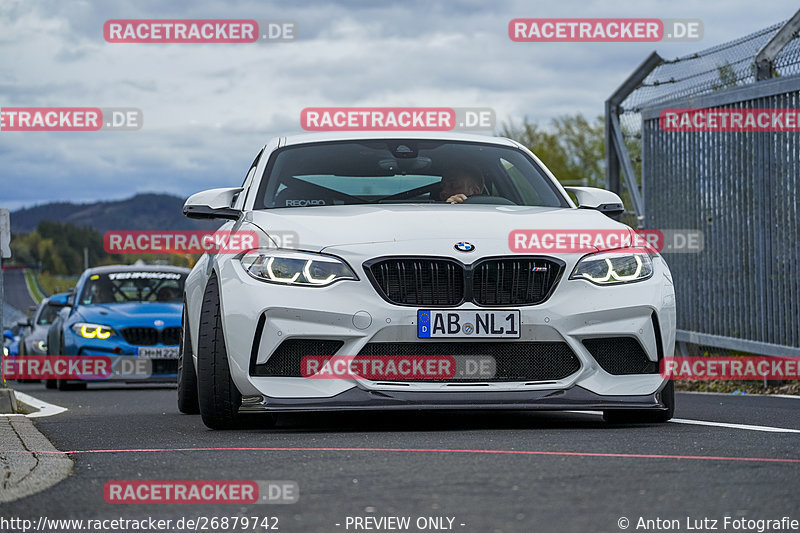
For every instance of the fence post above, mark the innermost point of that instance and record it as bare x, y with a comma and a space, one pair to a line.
616, 151
767, 54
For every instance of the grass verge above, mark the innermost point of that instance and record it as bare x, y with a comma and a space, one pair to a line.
730, 387
54, 284
33, 288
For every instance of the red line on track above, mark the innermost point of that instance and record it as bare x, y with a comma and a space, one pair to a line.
423, 450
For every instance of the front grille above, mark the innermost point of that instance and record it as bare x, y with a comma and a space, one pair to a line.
171, 336
149, 336
620, 355
513, 361
513, 281
419, 281
438, 282
285, 361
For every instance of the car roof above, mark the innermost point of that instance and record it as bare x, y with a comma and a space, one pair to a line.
303, 138
136, 268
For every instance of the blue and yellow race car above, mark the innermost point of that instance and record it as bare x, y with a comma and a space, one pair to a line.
122, 310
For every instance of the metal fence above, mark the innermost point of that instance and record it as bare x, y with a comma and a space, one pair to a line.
742, 291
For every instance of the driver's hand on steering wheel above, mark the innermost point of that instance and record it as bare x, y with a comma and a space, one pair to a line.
456, 198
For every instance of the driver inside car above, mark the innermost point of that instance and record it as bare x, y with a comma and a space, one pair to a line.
459, 183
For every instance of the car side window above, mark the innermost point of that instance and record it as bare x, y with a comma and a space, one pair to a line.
248, 177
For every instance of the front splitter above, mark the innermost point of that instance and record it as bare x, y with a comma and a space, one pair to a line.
545, 400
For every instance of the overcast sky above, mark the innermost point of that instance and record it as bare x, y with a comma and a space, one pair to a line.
208, 108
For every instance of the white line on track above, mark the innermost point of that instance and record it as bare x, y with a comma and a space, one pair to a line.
768, 429
748, 427
44, 408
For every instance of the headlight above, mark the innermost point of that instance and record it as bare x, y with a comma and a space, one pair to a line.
93, 331
5, 350
40, 345
295, 268
611, 268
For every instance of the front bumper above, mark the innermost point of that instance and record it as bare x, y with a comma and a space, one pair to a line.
354, 314
163, 370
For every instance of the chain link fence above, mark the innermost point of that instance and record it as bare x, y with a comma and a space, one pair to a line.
742, 291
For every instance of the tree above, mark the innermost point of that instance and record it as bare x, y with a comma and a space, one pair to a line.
572, 147
727, 76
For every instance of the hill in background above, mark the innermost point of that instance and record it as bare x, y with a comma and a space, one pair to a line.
147, 211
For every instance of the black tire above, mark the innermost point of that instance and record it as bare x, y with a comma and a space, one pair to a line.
218, 397
187, 377
634, 416
50, 383
65, 384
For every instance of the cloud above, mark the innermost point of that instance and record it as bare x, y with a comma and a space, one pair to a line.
209, 108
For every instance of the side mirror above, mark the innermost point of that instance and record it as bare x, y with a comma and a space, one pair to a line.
8, 334
601, 200
213, 203
59, 300
24, 323
65, 301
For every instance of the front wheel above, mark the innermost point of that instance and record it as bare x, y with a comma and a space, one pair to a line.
219, 399
187, 377
632, 416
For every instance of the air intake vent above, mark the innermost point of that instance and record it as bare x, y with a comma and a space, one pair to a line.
285, 361
620, 356
514, 361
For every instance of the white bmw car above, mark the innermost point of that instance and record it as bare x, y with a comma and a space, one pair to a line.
384, 277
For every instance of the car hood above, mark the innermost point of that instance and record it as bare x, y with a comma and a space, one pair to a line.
133, 314
317, 228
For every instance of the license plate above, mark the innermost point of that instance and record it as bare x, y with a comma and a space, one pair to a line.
160, 352
487, 324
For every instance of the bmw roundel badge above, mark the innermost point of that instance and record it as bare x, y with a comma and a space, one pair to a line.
464, 246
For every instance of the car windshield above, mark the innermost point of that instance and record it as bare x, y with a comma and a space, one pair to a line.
403, 171
48, 314
133, 286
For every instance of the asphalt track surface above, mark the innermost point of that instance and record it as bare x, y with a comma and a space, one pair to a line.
15, 290
501, 471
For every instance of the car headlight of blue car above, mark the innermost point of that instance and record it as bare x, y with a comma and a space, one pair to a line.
88, 330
